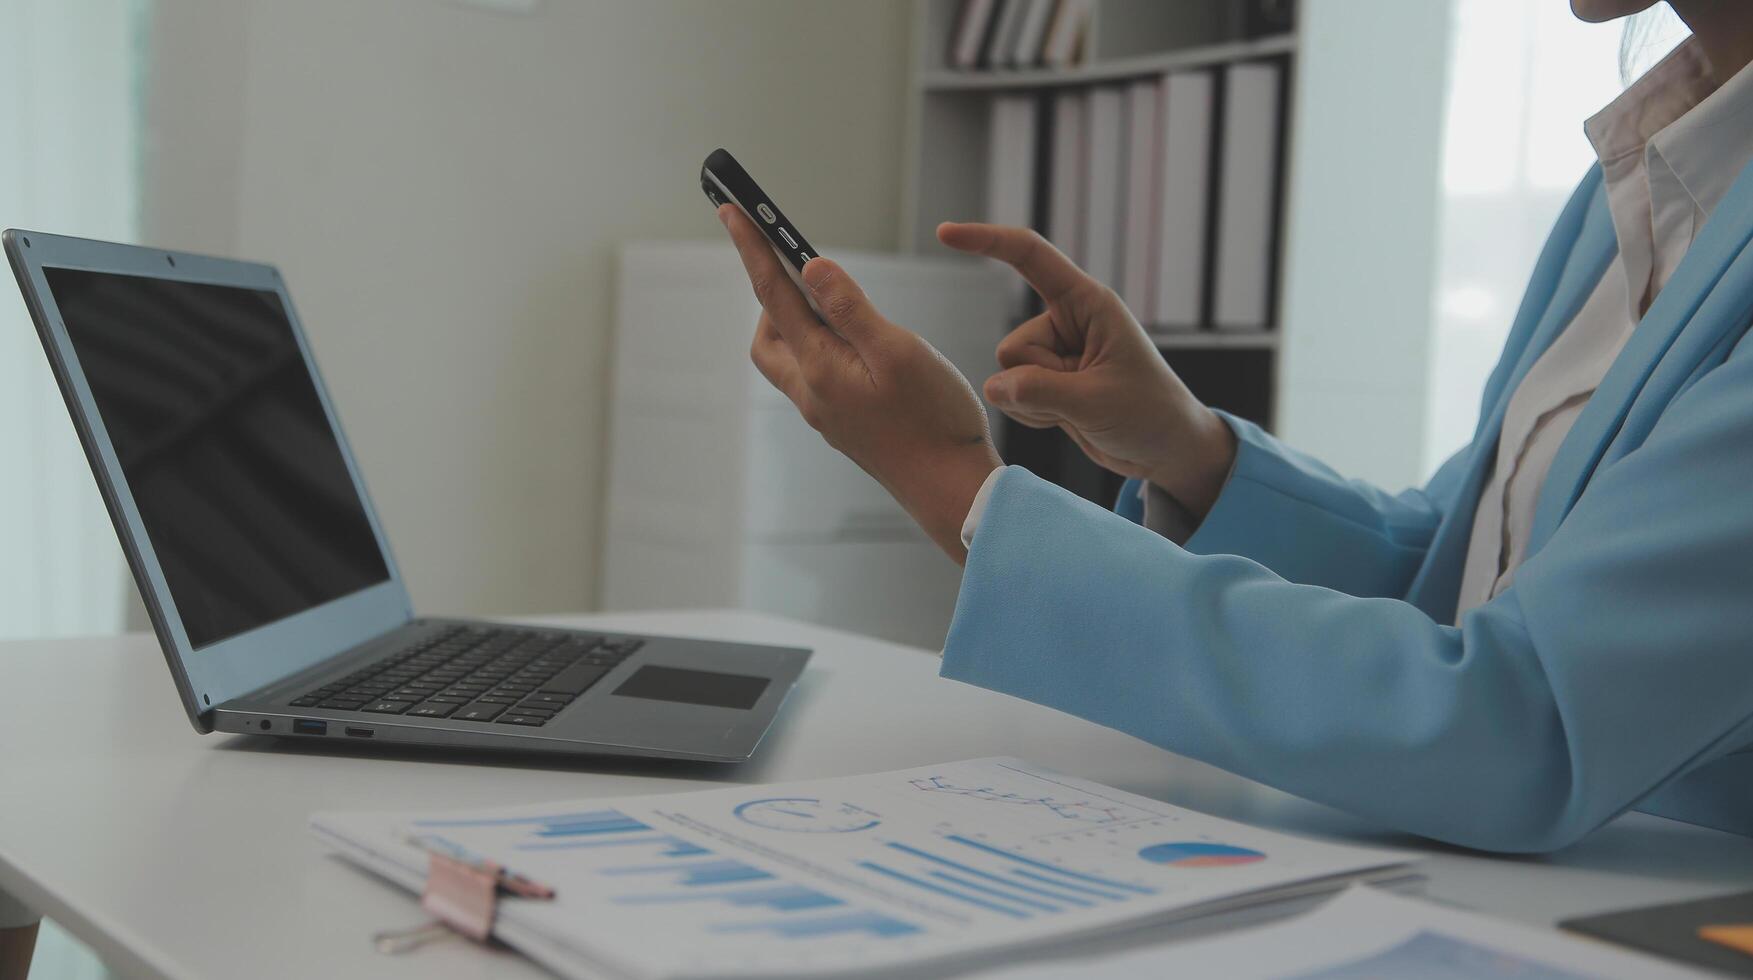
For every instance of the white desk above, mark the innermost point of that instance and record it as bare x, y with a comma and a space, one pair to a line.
181, 856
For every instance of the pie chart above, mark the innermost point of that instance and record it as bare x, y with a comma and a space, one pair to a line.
806, 815
1199, 854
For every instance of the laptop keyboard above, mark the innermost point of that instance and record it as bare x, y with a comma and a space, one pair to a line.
506, 676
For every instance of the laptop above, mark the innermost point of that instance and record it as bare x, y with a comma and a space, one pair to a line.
263, 565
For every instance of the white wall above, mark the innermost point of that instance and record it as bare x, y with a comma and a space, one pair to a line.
443, 185
1361, 234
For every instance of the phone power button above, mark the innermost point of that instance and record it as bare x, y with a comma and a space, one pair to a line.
766, 213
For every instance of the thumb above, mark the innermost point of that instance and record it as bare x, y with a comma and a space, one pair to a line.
843, 304
1037, 391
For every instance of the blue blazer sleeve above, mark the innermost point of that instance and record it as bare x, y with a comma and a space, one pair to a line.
1308, 524
1616, 661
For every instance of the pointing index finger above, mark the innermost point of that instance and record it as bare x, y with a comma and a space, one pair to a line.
1045, 267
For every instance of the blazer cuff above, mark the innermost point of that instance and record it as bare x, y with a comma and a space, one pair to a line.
1284, 511
977, 509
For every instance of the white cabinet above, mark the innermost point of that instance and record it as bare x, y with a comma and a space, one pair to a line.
720, 495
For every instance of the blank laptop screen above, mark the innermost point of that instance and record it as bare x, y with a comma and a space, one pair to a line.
232, 463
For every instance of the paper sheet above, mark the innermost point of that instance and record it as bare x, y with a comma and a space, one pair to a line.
858, 873
1367, 934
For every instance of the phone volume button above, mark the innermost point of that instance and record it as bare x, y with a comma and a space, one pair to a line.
787, 236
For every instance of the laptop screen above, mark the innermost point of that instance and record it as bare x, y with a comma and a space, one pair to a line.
236, 472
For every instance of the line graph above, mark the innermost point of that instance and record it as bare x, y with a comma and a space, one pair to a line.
1081, 811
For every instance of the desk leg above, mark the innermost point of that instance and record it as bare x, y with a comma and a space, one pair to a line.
18, 937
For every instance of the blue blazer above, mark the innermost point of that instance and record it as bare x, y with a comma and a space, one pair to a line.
1302, 636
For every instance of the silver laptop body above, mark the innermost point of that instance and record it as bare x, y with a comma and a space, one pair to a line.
263, 566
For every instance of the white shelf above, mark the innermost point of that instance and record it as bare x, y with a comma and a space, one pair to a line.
944, 80
948, 143
1214, 340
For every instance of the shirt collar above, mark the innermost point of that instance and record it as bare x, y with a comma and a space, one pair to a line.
1663, 95
1709, 146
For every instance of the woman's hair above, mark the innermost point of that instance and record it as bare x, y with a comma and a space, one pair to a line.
1647, 38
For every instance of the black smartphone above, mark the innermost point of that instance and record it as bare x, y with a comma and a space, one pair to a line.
726, 182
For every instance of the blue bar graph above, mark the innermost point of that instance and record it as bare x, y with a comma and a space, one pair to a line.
1031, 862
1062, 883
959, 896
869, 923
601, 822
555, 824
1035, 890
698, 872
673, 846
1008, 896
780, 898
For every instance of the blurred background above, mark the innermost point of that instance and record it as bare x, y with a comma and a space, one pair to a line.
489, 216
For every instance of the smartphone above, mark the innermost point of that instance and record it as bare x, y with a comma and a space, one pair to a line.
726, 182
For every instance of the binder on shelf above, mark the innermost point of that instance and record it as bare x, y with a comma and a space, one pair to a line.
1066, 36
1247, 197
1263, 18
1010, 164
1065, 208
971, 32
1184, 213
1104, 176
1027, 52
1002, 39
1139, 221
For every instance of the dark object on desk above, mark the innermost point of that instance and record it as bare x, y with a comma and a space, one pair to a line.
1672, 930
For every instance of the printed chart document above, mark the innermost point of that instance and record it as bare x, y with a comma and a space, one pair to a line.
1366, 934
863, 874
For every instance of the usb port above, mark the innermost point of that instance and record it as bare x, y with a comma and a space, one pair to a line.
309, 726
359, 732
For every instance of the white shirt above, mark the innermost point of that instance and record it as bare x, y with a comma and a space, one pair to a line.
1670, 148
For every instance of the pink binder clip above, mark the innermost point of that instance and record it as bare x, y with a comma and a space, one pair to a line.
462, 893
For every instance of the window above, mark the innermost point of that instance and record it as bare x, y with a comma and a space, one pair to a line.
1523, 78
67, 164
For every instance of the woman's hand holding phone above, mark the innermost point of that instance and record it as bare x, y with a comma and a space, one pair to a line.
888, 400
874, 390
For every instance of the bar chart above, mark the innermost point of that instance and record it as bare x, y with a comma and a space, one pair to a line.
636, 865
981, 876
851, 873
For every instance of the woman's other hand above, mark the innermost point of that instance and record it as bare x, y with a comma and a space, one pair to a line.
1086, 366
875, 391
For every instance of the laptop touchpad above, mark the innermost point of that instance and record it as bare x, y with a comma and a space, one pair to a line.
693, 687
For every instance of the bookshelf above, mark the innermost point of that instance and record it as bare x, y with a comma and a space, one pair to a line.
946, 166
1117, 69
